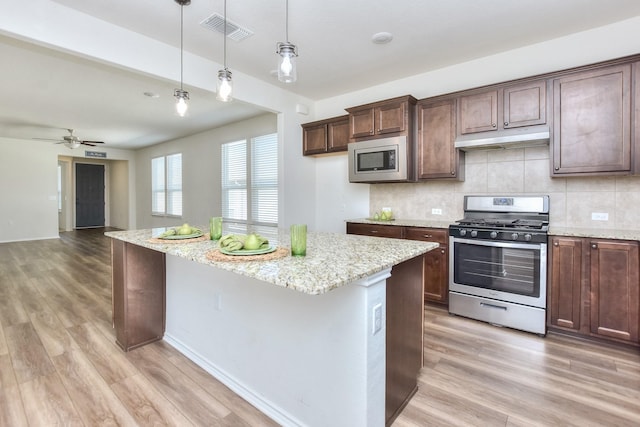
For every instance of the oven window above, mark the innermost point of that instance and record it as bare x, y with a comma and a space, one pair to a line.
510, 270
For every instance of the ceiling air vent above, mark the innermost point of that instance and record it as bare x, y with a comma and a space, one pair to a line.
235, 32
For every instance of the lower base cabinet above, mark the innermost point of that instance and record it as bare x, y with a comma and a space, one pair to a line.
594, 288
436, 262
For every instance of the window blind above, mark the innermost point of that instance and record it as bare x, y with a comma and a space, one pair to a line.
234, 180
166, 185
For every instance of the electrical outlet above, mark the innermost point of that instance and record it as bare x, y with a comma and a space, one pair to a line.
599, 216
377, 319
436, 211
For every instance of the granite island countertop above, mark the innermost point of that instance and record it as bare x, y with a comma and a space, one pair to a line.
333, 260
405, 222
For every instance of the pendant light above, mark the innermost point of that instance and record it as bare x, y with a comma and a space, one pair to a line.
181, 95
224, 85
288, 53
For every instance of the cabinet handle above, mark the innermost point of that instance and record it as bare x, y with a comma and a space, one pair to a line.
442, 251
493, 125
594, 246
428, 236
555, 244
370, 132
556, 168
453, 172
374, 231
506, 123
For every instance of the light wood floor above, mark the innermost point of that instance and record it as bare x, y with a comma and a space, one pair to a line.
59, 364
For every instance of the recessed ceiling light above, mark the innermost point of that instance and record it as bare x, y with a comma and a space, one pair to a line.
151, 94
382, 38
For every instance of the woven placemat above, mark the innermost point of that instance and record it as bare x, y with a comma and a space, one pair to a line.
175, 241
216, 255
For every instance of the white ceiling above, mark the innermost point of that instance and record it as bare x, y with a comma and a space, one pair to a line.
49, 89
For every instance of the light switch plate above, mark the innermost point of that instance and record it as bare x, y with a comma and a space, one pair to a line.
599, 216
436, 211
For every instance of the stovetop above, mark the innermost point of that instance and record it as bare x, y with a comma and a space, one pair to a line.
510, 223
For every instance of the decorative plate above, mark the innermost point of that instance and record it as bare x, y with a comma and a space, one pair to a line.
182, 236
241, 252
381, 220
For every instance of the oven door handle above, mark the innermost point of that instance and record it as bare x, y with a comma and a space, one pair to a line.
486, 304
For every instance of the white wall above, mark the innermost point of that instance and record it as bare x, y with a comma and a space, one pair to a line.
200, 173
29, 187
333, 189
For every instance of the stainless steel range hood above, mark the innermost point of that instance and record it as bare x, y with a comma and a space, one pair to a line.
531, 136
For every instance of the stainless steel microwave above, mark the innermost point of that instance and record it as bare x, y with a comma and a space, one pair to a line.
380, 160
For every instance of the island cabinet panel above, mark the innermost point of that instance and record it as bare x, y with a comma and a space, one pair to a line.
404, 339
390, 117
592, 122
138, 289
565, 283
325, 136
437, 156
436, 263
594, 288
615, 298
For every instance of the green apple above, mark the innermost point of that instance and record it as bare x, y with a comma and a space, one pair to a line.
184, 230
252, 242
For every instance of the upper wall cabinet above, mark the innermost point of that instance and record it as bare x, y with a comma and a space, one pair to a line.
592, 122
437, 156
381, 119
325, 136
503, 107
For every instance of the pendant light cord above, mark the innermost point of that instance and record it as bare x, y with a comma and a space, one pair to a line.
225, 35
181, 41
286, 21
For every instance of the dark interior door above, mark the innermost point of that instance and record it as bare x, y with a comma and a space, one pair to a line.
89, 195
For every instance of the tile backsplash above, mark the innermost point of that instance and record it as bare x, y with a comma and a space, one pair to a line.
518, 171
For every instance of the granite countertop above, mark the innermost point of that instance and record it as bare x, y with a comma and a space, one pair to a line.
405, 222
599, 233
332, 259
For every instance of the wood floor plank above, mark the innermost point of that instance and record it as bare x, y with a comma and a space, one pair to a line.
199, 407
147, 405
3, 342
11, 410
47, 403
7, 377
96, 403
53, 335
106, 357
28, 355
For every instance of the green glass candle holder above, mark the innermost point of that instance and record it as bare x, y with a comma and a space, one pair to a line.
215, 228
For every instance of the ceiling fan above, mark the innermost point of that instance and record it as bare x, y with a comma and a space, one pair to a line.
72, 141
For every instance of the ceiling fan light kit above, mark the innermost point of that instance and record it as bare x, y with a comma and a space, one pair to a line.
181, 95
224, 84
71, 141
287, 53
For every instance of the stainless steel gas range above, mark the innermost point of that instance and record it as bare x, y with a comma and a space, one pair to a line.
498, 261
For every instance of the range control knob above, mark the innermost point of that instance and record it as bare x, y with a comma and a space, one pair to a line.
514, 236
474, 233
463, 232
493, 235
527, 237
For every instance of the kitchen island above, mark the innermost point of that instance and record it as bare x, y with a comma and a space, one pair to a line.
332, 338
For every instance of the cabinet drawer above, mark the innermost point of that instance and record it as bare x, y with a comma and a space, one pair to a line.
375, 230
427, 234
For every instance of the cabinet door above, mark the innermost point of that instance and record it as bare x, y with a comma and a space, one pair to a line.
615, 300
565, 295
592, 122
437, 157
391, 118
436, 262
314, 139
525, 104
361, 123
479, 112
338, 135
375, 230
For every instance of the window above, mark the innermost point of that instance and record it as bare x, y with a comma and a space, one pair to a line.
166, 185
250, 180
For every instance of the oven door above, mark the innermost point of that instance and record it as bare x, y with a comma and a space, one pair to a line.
513, 272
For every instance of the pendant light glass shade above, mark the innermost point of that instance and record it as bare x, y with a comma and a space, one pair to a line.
287, 62
287, 53
224, 86
181, 95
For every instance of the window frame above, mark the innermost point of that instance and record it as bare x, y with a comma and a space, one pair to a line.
165, 190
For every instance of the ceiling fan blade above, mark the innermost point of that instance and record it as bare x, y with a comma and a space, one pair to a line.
94, 142
88, 143
47, 139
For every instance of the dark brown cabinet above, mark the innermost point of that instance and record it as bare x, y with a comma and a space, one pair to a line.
592, 122
594, 287
436, 262
384, 118
437, 156
325, 136
503, 107
138, 294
